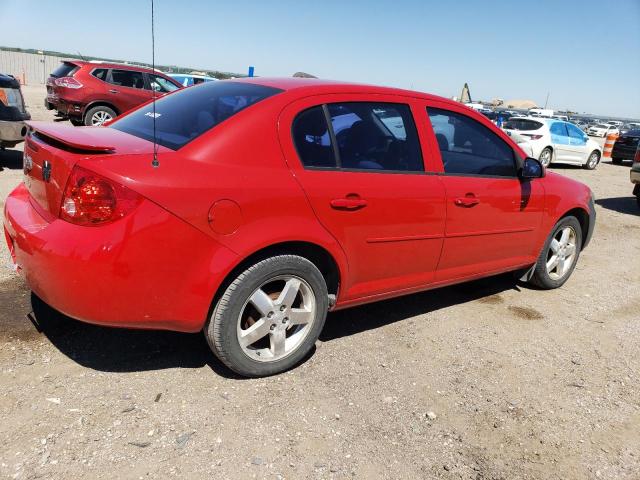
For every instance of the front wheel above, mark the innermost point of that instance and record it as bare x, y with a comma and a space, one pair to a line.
559, 254
545, 157
593, 160
269, 317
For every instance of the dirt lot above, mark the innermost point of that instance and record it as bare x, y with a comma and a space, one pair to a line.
488, 380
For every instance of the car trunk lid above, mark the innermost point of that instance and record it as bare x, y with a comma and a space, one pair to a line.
52, 150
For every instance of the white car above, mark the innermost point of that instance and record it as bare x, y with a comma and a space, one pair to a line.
554, 141
615, 123
602, 130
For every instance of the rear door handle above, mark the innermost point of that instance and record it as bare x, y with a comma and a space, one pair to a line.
348, 203
468, 201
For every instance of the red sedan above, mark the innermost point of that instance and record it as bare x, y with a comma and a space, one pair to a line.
274, 201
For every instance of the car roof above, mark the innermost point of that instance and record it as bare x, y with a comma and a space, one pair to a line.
98, 64
316, 85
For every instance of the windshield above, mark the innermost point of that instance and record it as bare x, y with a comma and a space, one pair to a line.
187, 114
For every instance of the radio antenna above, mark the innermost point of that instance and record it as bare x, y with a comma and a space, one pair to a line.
155, 163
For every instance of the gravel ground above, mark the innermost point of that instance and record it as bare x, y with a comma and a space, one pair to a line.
487, 380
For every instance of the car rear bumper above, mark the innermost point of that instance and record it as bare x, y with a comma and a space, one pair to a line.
624, 152
147, 270
12, 132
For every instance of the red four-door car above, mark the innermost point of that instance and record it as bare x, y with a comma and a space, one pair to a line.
91, 93
276, 200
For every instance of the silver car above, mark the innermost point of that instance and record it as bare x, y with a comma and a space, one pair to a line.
12, 112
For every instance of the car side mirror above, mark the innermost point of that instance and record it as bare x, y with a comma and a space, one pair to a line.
531, 168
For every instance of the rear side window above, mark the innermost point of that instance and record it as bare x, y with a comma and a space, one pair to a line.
127, 78
100, 73
358, 136
522, 124
312, 140
376, 136
65, 69
187, 114
559, 129
469, 148
161, 84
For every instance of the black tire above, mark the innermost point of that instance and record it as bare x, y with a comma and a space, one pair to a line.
638, 200
100, 109
221, 329
591, 164
616, 161
542, 158
541, 277
76, 122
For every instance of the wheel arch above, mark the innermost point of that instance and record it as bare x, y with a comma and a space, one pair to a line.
584, 219
316, 254
97, 103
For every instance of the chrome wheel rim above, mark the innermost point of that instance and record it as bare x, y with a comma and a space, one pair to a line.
545, 158
276, 318
99, 118
593, 160
562, 253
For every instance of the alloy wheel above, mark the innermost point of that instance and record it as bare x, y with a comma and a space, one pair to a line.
545, 157
562, 253
276, 318
593, 160
99, 118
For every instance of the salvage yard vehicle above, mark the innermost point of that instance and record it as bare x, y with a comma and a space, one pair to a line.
191, 79
555, 141
601, 130
92, 93
625, 146
272, 201
634, 174
12, 112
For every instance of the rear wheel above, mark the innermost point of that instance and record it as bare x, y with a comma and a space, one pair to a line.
545, 157
269, 317
616, 161
96, 116
593, 160
559, 254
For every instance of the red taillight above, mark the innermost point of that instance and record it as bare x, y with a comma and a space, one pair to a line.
636, 158
90, 199
532, 136
67, 82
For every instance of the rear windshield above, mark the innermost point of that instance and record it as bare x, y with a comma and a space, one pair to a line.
65, 69
522, 124
187, 114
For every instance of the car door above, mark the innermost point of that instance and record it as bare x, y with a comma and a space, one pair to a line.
577, 144
359, 161
493, 216
560, 140
127, 89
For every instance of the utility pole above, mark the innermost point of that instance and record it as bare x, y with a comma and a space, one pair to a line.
546, 101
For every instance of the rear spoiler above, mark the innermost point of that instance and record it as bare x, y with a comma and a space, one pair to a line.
76, 138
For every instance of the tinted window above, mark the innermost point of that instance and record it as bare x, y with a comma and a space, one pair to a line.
187, 114
575, 132
376, 136
65, 69
312, 140
559, 129
161, 84
127, 78
522, 124
468, 147
100, 73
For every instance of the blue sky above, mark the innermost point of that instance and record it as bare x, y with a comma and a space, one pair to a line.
585, 53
